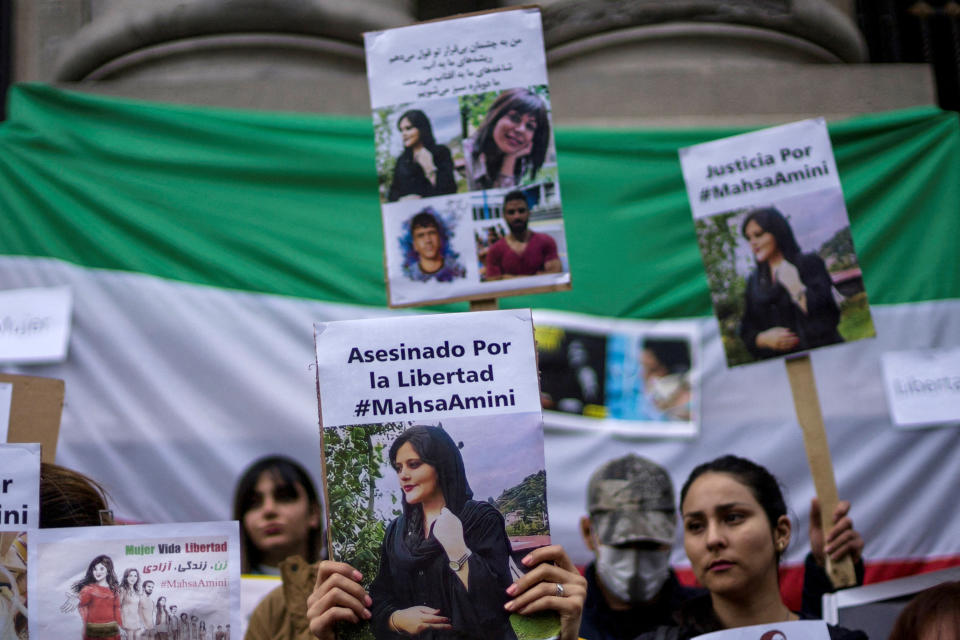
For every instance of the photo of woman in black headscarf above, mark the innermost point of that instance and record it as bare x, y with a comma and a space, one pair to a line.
444, 563
425, 168
789, 303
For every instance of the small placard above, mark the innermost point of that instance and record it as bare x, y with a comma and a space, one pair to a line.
923, 387
6, 396
798, 630
19, 486
98, 580
35, 324
775, 239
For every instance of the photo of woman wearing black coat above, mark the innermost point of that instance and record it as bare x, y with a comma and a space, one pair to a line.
444, 564
789, 305
425, 168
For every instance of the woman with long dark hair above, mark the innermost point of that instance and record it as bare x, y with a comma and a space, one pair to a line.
789, 302
444, 564
130, 602
279, 513
161, 619
99, 601
510, 145
425, 168
735, 529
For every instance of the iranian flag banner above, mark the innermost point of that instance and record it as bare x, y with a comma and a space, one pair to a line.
201, 245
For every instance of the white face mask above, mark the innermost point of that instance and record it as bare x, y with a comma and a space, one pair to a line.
632, 575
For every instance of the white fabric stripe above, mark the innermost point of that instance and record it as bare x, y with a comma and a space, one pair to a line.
172, 389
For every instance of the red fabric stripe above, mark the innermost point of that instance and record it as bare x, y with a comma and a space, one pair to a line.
791, 576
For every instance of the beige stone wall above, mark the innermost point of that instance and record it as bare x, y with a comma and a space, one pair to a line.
629, 62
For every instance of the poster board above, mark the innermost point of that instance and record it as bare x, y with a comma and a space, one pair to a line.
426, 410
194, 567
35, 411
631, 377
466, 159
775, 240
19, 516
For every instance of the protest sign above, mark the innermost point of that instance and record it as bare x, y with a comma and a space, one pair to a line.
19, 512
627, 376
35, 408
775, 240
135, 579
797, 630
420, 412
6, 397
783, 274
466, 160
923, 387
35, 324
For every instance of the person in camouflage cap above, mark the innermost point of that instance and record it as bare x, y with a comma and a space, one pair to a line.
630, 528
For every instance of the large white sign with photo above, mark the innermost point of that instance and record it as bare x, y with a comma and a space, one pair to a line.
631, 377
466, 160
776, 244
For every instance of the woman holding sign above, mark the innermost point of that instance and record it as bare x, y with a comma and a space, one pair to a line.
510, 146
425, 168
735, 529
444, 562
789, 304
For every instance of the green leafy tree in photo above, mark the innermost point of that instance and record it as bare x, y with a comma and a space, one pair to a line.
382, 135
353, 463
718, 239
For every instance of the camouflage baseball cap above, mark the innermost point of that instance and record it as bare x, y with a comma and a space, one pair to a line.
630, 499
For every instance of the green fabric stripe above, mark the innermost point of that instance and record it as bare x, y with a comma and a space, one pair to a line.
286, 203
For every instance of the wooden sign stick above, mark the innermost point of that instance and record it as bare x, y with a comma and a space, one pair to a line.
487, 304
807, 405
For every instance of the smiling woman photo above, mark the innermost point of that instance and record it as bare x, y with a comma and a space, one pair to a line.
789, 303
444, 561
510, 145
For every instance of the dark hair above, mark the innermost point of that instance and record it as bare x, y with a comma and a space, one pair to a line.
436, 448
426, 218
123, 581
89, 579
516, 194
523, 101
286, 475
771, 220
421, 123
939, 604
674, 355
762, 484
161, 610
146, 582
69, 498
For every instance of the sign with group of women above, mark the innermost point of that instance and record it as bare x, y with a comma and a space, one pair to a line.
133, 581
466, 160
